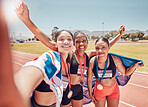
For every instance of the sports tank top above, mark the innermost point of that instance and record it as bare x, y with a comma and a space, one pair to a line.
74, 65
43, 87
110, 71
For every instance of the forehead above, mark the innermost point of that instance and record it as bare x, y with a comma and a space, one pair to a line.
80, 36
65, 34
101, 43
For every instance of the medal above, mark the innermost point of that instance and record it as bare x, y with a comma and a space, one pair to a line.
82, 72
70, 94
68, 73
99, 86
82, 83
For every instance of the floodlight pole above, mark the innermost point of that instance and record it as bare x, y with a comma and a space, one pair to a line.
103, 27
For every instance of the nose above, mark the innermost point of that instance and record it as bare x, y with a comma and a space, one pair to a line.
81, 42
65, 41
100, 50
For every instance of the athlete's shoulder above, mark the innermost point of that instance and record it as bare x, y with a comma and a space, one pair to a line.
92, 59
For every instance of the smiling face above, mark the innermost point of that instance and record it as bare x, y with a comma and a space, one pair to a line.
81, 42
64, 42
102, 48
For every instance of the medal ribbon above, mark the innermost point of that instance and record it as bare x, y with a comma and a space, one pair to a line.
67, 72
82, 72
104, 69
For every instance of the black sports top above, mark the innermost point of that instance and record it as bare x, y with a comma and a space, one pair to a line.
74, 64
43, 87
110, 72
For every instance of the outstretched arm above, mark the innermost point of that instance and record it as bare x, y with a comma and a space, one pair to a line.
92, 53
114, 40
26, 80
9, 95
22, 12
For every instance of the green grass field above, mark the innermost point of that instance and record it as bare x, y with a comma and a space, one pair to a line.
134, 50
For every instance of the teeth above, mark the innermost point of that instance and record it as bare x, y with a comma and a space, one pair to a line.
82, 47
65, 46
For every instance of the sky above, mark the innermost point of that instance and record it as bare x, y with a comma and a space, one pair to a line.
79, 14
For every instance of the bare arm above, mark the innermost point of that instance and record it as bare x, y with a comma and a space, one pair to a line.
9, 95
89, 80
26, 80
114, 40
122, 68
92, 53
22, 12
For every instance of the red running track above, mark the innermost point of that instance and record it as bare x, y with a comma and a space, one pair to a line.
134, 94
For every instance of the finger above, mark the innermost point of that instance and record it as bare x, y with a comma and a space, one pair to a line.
18, 10
141, 64
24, 5
123, 28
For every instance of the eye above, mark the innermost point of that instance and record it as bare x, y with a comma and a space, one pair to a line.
97, 48
61, 39
78, 42
84, 41
69, 39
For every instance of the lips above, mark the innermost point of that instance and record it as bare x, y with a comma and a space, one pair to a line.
82, 47
66, 46
100, 53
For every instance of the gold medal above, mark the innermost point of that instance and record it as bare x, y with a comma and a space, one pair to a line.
100, 87
70, 94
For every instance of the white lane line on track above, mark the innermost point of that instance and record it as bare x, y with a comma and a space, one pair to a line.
141, 74
23, 53
23, 57
17, 63
138, 85
127, 104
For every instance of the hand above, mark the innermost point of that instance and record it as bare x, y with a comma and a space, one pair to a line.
22, 12
138, 64
121, 29
93, 99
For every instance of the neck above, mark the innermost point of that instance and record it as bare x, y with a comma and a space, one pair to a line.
81, 54
102, 59
64, 56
